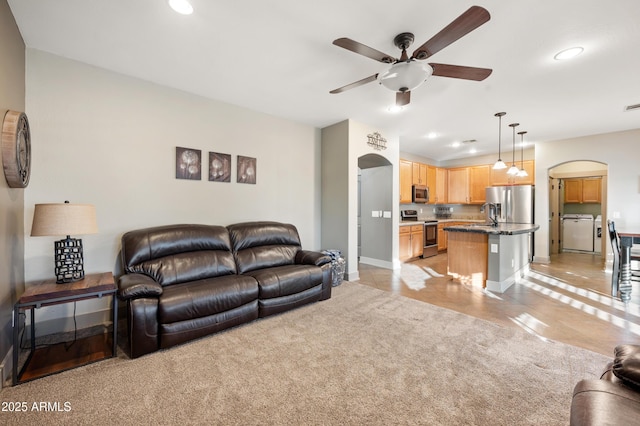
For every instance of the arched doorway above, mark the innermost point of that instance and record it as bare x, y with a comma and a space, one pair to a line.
375, 204
580, 188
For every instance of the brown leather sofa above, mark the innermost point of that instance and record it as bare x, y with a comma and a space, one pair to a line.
182, 282
615, 398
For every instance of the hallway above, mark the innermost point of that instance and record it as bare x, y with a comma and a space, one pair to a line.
567, 300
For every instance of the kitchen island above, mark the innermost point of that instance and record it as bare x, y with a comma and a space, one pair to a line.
487, 255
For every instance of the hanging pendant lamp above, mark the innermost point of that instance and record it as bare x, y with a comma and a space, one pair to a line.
499, 165
513, 170
522, 172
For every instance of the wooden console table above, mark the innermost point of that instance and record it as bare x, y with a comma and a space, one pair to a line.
56, 358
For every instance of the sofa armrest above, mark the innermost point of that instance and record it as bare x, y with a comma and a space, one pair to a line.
599, 402
134, 286
308, 257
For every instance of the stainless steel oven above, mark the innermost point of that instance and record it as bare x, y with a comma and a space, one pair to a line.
430, 238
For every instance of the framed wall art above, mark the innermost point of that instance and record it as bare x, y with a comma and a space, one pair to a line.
246, 169
219, 167
188, 163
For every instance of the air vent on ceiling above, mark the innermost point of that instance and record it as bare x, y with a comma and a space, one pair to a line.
632, 107
470, 141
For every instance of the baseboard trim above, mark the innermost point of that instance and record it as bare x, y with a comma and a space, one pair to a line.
542, 259
376, 262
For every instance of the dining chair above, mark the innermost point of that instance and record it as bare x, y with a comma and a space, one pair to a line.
615, 246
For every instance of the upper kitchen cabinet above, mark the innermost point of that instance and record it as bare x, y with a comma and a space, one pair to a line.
437, 184
458, 185
419, 174
406, 171
582, 190
478, 182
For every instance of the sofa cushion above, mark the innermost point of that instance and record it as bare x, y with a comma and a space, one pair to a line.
259, 245
286, 280
178, 253
626, 365
205, 297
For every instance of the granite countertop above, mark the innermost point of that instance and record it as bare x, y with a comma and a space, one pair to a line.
501, 229
422, 221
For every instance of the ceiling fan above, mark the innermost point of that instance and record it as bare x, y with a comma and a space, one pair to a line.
407, 73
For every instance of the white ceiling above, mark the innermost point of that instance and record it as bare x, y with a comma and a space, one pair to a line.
277, 56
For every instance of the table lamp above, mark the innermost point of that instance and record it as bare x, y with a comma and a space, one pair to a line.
65, 219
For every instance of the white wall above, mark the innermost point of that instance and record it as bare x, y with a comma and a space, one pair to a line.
619, 150
109, 140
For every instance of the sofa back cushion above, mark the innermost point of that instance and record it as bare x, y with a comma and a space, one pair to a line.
178, 253
258, 245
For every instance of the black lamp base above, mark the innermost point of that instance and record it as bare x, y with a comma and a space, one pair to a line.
69, 262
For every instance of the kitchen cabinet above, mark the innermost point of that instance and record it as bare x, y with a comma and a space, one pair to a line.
582, 190
419, 174
437, 183
478, 182
458, 185
406, 171
442, 236
411, 241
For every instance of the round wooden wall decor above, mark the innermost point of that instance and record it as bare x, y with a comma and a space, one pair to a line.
16, 149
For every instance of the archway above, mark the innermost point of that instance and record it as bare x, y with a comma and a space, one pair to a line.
375, 204
572, 178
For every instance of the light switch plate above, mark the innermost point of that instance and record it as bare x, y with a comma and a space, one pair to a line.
494, 248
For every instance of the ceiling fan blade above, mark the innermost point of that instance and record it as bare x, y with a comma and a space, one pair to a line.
403, 98
457, 71
462, 25
355, 84
363, 50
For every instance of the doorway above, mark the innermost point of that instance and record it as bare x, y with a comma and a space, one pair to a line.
375, 204
577, 189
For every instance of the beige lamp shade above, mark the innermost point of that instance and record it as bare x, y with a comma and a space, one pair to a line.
64, 219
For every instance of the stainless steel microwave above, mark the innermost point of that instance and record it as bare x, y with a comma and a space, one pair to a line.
419, 194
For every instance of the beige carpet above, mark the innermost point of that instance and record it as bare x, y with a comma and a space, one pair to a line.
363, 357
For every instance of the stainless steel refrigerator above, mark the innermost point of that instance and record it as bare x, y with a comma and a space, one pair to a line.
513, 204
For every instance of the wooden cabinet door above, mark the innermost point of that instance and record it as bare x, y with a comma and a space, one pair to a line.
478, 182
458, 185
573, 190
442, 237
441, 185
431, 183
419, 174
405, 181
405, 243
417, 240
591, 190
530, 179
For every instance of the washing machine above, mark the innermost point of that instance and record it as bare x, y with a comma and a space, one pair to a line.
597, 234
577, 232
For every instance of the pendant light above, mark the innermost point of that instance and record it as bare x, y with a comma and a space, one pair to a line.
522, 172
513, 170
499, 165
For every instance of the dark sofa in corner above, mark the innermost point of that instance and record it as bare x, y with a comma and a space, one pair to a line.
615, 398
182, 282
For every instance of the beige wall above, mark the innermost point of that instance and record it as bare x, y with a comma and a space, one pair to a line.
12, 96
109, 140
619, 151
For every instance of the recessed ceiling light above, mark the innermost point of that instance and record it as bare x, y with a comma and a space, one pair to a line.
568, 53
394, 108
181, 6
455, 144
432, 135
472, 151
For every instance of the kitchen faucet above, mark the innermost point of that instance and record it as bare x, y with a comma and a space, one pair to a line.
493, 212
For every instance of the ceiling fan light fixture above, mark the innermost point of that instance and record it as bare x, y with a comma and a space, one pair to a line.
405, 76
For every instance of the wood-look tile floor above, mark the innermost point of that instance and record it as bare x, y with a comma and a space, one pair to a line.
568, 300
